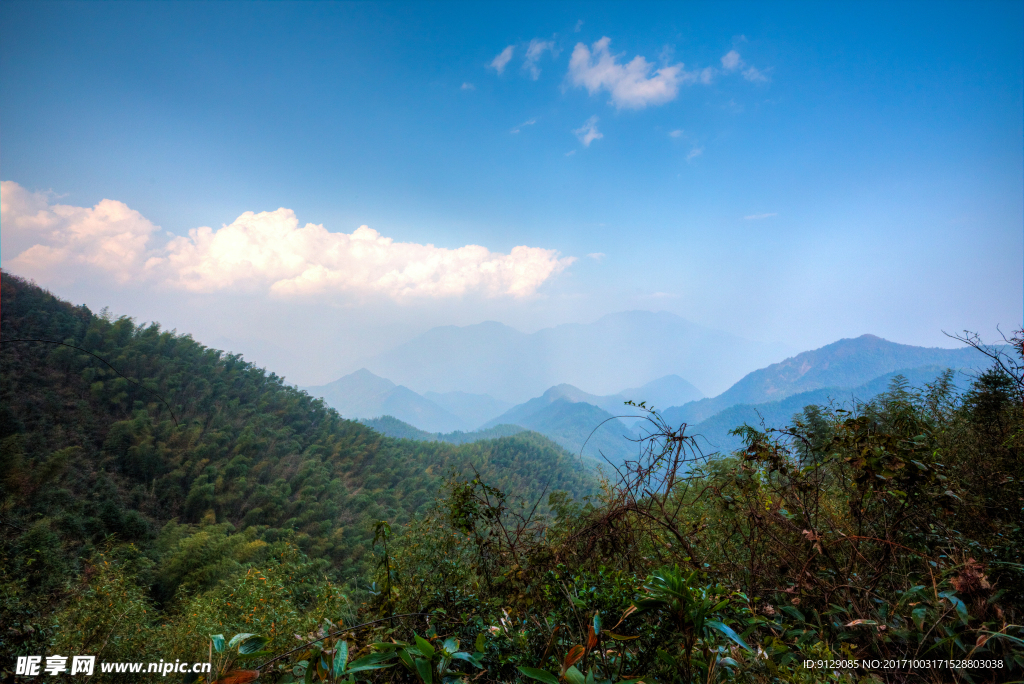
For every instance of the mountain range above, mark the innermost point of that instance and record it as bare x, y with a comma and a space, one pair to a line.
847, 363
365, 395
714, 431
618, 350
845, 371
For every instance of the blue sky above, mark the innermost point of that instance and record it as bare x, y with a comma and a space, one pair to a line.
793, 172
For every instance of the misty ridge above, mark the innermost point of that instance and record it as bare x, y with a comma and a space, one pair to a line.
470, 378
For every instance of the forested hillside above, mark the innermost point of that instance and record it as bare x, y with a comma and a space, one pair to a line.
128, 434
156, 506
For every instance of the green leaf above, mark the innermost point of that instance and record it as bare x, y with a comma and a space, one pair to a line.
794, 612
310, 670
539, 675
622, 637
574, 676
918, 615
372, 659
597, 624
961, 609
729, 632
450, 645
481, 642
910, 593
252, 644
424, 646
365, 668
238, 638
423, 670
218, 642
340, 657
471, 659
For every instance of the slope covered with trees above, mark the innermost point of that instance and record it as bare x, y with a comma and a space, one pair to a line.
881, 543
125, 434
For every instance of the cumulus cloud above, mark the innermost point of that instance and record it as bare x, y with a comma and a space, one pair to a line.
758, 217
588, 132
534, 51
263, 251
50, 238
503, 58
632, 85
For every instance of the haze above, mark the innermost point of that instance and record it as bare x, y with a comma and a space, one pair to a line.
314, 185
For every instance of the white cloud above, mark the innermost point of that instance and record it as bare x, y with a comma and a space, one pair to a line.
523, 125
707, 74
631, 85
758, 217
56, 238
579, 25
588, 132
570, 153
468, 86
534, 52
731, 61
597, 256
756, 75
676, 133
499, 62
694, 153
258, 251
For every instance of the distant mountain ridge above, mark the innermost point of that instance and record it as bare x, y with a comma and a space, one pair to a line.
660, 392
618, 350
846, 363
393, 427
365, 395
573, 419
714, 431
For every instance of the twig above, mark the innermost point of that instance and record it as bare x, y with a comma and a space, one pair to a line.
340, 631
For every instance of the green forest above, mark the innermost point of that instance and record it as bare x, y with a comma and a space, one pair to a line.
164, 501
